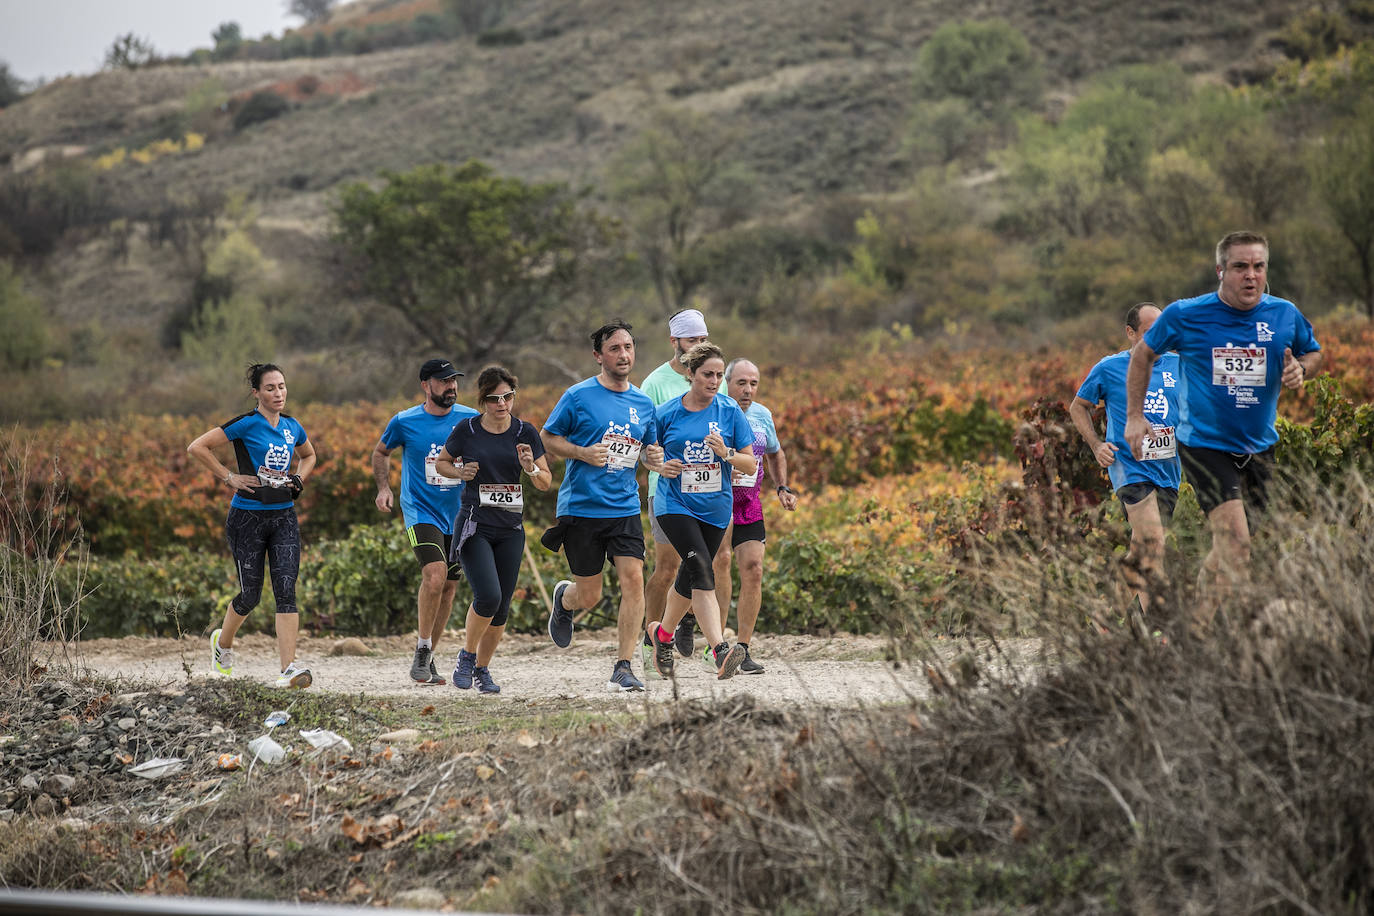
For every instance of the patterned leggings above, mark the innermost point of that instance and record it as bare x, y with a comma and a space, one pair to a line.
272, 534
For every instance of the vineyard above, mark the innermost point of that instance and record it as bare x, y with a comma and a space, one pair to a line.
907, 462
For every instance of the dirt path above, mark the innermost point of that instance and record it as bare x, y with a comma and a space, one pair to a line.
805, 670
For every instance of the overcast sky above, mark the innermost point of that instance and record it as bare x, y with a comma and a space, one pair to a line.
52, 38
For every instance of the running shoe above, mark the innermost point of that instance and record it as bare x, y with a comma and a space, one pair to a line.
295, 677
708, 658
462, 672
560, 618
684, 637
221, 660
485, 685
623, 680
749, 666
728, 658
434, 676
663, 655
422, 668
646, 657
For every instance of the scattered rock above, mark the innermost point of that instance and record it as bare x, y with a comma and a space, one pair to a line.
58, 784
29, 783
127, 699
6, 815
126, 723
43, 806
419, 898
401, 736
350, 646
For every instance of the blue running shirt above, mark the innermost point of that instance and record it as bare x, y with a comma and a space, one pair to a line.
703, 492
1107, 382
1232, 365
588, 413
265, 450
427, 497
661, 386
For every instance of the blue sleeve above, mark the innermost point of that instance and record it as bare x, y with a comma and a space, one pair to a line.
564, 416
1163, 335
743, 433
303, 436
651, 430
1304, 340
393, 435
234, 428
1091, 389
771, 445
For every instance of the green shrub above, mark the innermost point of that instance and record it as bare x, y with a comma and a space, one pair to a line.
989, 63
501, 38
263, 105
428, 27
23, 331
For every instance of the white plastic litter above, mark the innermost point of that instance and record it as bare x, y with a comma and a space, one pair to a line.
266, 750
324, 739
158, 767
279, 717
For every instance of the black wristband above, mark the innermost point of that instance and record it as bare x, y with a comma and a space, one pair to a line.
785, 488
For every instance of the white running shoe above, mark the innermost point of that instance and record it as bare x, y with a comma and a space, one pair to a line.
221, 660
294, 676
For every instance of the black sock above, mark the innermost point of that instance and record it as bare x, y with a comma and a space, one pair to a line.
722, 649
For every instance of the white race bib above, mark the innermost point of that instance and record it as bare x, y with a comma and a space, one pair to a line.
270, 478
434, 478
738, 479
508, 496
1242, 366
624, 451
1159, 444
701, 478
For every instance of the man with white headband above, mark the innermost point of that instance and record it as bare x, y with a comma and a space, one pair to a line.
686, 329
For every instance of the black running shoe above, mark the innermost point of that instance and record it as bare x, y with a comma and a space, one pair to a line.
749, 666
422, 669
663, 656
560, 618
684, 637
728, 657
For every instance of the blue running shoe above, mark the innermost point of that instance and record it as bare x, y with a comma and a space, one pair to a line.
462, 672
684, 636
485, 685
560, 618
623, 680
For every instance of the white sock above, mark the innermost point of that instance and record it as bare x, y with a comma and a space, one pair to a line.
424, 644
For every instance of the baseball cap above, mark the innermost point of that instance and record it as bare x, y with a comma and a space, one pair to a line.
438, 368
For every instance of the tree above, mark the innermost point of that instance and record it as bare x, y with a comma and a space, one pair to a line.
11, 86
988, 63
228, 39
677, 185
311, 10
475, 16
23, 334
1343, 174
470, 259
129, 52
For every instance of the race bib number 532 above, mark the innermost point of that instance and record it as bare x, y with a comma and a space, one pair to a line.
1239, 366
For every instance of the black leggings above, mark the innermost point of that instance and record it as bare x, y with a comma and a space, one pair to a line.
696, 542
491, 561
273, 533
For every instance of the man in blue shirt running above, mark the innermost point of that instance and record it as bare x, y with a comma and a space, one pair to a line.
429, 501
1237, 348
1147, 488
602, 428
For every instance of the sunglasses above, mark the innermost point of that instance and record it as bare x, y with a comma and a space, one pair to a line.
498, 398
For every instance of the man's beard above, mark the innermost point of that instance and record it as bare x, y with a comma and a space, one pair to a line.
447, 399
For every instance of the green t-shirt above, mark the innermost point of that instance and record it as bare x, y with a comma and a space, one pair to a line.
662, 385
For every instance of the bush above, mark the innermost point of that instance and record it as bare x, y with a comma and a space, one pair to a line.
989, 64
263, 105
23, 331
501, 38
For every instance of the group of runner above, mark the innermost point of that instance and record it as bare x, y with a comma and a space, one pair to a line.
462, 499
1196, 397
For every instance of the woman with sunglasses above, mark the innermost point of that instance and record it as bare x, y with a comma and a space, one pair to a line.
489, 452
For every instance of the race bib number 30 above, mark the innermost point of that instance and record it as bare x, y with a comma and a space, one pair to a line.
624, 451
508, 496
1159, 444
1239, 366
701, 478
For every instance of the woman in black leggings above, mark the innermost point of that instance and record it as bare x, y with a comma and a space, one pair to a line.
261, 527
489, 452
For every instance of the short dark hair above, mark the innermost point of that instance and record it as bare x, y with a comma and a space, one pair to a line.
257, 370
1244, 237
1133, 314
493, 376
606, 330
696, 357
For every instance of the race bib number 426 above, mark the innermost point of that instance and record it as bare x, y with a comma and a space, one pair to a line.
508, 496
701, 478
1239, 366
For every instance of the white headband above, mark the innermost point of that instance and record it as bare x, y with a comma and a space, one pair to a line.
689, 323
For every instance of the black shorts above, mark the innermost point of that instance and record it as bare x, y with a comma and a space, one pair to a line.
589, 543
1219, 477
696, 542
750, 532
1132, 493
431, 546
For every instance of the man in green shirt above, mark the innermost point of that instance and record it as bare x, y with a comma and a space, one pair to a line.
686, 329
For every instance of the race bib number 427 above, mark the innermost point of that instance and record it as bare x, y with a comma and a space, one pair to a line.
623, 451
1239, 366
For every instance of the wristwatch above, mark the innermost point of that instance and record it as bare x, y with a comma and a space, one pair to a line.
729, 453
784, 488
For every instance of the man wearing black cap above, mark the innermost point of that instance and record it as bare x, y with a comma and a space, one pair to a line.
429, 501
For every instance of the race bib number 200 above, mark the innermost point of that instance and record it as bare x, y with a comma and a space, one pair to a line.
1242, 366
507, 496
1159, 444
